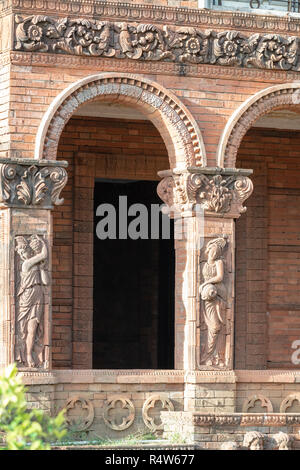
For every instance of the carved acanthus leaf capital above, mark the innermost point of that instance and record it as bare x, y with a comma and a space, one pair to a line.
217, 192
31, 184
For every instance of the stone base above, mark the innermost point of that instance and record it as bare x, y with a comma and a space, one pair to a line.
207, 408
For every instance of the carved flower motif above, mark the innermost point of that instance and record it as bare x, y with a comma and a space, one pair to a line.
230, 48
193, 45
146, 39
86, 36
35, 33
276, 49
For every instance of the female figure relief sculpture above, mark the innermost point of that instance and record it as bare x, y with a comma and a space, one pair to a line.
30, 305
213, 293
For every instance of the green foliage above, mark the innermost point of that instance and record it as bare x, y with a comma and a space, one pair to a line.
25, 429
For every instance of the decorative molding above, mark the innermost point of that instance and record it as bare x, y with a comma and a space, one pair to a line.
85, 421
216, 191
103, 64
31, 274
231, 419
147, 41
31, 185
181, 133
126, 404
250, 403
160, 14
149, 404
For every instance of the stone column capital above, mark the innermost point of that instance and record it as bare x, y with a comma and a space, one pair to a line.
26, 183
220, 192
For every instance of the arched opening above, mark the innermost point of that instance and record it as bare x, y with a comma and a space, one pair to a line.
113, 299
181, 141
267, 309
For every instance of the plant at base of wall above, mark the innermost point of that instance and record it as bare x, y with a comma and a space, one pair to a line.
25, 429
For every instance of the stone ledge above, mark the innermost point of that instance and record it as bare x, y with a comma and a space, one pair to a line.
195, 418
115, 376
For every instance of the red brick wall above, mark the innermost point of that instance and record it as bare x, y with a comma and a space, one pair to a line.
94, 148
268, 251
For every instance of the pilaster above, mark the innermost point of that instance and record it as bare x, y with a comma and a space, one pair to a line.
28, 191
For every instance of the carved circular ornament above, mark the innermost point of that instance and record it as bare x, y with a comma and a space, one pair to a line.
118, 413
86, 417
150, 405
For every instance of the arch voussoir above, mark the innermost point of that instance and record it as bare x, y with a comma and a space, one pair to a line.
244, 117
175, 123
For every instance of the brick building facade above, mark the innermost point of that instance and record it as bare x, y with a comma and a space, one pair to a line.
105, 99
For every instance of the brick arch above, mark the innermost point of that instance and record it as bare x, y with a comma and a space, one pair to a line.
175, 123
264, 101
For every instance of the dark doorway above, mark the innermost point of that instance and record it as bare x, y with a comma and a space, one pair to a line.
133, 324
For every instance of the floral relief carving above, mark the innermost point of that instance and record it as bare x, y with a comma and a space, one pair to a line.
32, 188
151, 411
118, 413
7, 174
215, 193
185, 44
32, 277
79, 413
251, 401
31, 185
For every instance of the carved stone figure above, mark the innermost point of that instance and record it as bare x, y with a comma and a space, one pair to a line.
30, 300
213, 293
253, 440
282, 441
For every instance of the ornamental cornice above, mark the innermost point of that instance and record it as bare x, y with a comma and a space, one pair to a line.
145, 41
160, 14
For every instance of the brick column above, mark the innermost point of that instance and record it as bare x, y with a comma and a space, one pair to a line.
209, 199
28, 191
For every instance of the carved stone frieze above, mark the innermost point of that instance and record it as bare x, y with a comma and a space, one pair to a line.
79, 413
217, 193
232, 419
147, 41
113, 414
28, 185
31, 279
